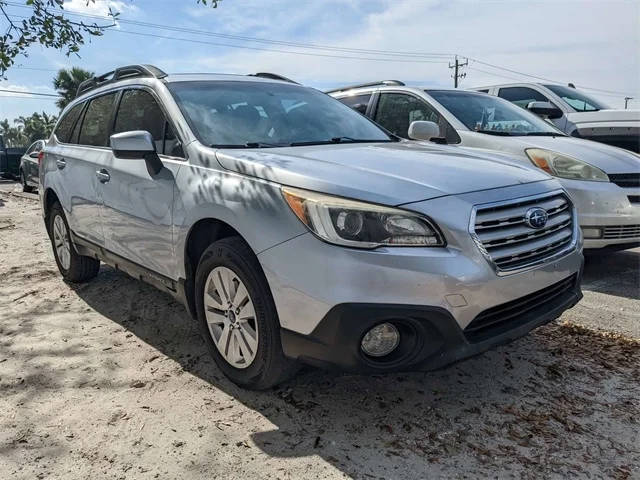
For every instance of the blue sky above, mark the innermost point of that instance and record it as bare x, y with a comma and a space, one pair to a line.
590, 43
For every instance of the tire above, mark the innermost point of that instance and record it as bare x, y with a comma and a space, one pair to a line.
25, 188
260, 362
74, 267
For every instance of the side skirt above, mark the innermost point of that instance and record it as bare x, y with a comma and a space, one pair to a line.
89, 249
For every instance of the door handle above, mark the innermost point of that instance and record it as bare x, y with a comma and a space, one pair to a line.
61, 163
103, 176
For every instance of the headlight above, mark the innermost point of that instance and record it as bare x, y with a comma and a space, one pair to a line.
563, 166
358, 224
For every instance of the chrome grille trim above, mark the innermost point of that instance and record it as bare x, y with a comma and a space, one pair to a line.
499, 231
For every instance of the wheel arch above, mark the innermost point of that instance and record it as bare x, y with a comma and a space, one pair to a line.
49, 197
201, 234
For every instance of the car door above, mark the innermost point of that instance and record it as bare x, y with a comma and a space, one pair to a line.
79, 147
395, 111
137, 206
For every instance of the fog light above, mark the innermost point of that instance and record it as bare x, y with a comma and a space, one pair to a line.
380, 340
590, 232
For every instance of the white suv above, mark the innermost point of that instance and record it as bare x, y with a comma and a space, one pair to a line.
574, 112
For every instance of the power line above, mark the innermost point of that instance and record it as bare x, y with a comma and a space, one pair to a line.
456, 74
308, 46
326, 55
30, 93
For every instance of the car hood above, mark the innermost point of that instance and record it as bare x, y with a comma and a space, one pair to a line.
605, 116
387, 173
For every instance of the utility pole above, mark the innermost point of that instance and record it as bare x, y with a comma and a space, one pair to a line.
626, 101
456, 73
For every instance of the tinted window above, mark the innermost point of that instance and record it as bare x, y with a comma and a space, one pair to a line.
66, 123
171, 145
96, 123
396, 111
139, 111
576, 99
242, 114
522, 96
357, 102
488, 114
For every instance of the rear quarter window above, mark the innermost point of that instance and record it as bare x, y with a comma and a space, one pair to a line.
66, 124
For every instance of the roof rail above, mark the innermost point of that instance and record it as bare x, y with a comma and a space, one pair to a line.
130, 71
370, 84
272, 76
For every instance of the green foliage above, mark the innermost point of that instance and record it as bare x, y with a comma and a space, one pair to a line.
48, 26
26, 130
66, 83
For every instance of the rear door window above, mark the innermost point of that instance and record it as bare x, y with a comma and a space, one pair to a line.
358, 102
97, 121
66, 124
138, 110
522, 96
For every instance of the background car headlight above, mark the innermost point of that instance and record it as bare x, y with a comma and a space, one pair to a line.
562, 166
358, 224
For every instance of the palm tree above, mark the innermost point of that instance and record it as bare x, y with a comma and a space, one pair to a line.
66, 82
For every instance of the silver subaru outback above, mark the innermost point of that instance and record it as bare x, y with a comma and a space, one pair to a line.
296, 230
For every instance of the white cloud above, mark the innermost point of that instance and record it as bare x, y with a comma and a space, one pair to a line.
587, 43
99, 7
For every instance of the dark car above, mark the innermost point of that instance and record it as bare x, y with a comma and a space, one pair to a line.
9, 160
29, 166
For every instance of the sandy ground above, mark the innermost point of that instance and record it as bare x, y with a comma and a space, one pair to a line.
111, 380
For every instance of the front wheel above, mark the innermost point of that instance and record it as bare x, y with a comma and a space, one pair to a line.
238, 317
73, 266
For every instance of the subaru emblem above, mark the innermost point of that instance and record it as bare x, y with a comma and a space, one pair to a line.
536, 217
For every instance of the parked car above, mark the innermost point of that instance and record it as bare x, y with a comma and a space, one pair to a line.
30, 165
295, 229
574, 112
9, 160
603, 181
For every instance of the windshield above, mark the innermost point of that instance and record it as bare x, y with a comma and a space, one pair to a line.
580, 102
489, 114
264, 114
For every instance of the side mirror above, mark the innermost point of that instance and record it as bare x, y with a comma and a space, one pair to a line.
34, 154
422, 130
544, 109
136, 144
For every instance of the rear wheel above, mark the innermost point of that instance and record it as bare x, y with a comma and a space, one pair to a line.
23, 180
73, 266
237, 316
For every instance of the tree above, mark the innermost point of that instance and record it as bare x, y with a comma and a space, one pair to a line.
49, 26
66, 83
26, 130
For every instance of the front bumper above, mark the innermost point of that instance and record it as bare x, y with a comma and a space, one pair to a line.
605, 204
430, 337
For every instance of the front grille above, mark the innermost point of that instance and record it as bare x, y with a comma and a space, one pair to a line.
510, 244
501, 318
621, 231
625, 180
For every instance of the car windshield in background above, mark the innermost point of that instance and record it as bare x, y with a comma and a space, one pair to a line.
269, 114
576, 99
492, 115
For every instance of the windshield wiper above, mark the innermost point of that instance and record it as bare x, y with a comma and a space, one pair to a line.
264, 145
495, 132
339, 140
542, 134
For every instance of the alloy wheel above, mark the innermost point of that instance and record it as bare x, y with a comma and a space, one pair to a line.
61, 242
231, 317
